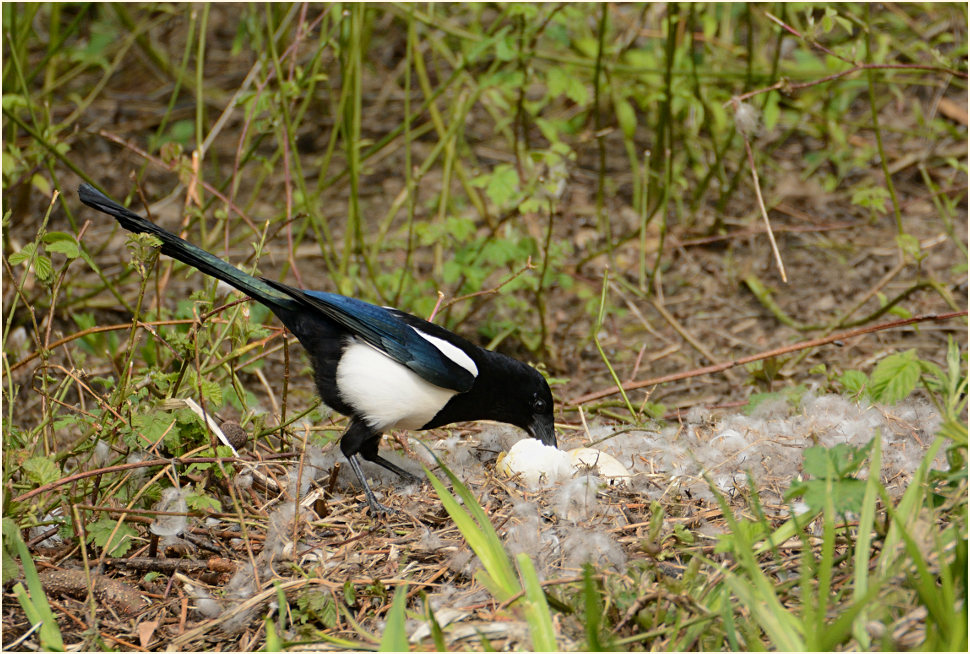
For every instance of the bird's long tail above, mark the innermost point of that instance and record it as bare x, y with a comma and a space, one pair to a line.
187, 253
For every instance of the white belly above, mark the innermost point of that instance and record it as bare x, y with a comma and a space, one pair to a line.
386, 392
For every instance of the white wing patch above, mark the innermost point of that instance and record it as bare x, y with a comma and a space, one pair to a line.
452, 352
387, 393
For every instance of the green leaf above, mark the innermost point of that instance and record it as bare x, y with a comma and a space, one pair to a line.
831, 469
317, 607
743, 532
43, 269
505, 49
23, 255
42, 184
148, 428
909, 244
437, 635
626, 117
350, 593
62, 242
895, 377
10, 534
772, 111
526, 10
872, 197
594, 611
560, 81
41, 470
502, 185
273, 641
202, 502
845, 460
212, 392
118, 544
853, 381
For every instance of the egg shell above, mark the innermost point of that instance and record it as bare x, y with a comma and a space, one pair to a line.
606, 465
535, 463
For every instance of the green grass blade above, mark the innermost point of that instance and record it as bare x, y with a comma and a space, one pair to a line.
756, 591
395, 638
35, 603
592, 604
477, 529
437, 635
273, 641
863, 542
537, 609
907, 510
781, 627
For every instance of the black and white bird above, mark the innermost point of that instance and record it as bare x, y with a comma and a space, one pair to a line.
381, 367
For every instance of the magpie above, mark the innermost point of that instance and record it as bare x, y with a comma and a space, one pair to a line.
379, 366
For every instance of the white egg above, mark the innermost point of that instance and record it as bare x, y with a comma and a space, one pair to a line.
606, 465
535, 463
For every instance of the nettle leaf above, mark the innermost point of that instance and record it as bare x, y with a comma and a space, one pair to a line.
43, 269
502, 185
845, 460
909, 244
62, 242
853, 381
41, 470
895, 377
831, 469
116, 542
562, 82
872, 197
23, 255
202, 502
211, 391
461, 229
189, 431
148, 428
505, 49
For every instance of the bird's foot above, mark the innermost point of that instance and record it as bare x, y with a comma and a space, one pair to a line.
378, 510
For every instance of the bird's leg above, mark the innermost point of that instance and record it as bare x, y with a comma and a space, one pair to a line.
359, 439
369, 451
375, 506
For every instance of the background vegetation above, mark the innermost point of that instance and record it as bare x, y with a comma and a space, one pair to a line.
615, 193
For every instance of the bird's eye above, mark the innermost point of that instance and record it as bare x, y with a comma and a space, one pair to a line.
538, 405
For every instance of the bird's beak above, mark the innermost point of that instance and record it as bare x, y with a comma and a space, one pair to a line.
542, 429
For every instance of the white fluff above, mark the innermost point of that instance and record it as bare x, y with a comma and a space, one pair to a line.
388, 393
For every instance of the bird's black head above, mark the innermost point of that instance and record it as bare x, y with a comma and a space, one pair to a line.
506, 390
542, 426
531, 404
